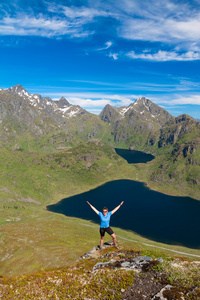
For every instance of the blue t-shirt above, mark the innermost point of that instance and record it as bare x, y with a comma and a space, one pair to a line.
105, 219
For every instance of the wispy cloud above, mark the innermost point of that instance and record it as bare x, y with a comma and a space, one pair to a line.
107, 45
180, 100
159, 30
166, 21
98, 83
165, 56
38, 26
83, 14
63, 20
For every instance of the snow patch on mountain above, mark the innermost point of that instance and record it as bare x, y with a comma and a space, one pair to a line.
64, 109
123, 111
72, 113
61, 106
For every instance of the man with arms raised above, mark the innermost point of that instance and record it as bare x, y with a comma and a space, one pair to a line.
105, 220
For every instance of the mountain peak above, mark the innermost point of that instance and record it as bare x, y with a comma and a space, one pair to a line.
18, 89
109, 113
143, 100
183, 118
63, 102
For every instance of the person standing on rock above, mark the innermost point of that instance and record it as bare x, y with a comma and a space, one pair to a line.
105, 220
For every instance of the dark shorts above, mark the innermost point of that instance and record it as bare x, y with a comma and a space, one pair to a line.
104, 229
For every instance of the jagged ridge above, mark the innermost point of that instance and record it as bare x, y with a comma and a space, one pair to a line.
26, 117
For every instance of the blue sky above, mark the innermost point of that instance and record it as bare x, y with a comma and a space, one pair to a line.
99, 52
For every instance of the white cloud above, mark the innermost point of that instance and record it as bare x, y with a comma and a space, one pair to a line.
162, 21
83, 14
35, 26
165, 56
169, 30
65, 21
178, 100
194, 99
89, 102
114, 55
108, 44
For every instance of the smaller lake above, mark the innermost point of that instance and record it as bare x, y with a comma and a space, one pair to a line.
133, 156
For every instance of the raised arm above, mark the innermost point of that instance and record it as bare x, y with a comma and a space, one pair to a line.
96, 211
116, 208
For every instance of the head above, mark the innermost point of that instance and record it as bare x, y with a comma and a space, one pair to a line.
105, 211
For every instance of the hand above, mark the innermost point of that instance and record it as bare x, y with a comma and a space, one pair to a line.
121, 203
88, 202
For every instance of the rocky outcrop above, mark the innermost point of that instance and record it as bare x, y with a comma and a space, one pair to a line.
187, 152
149, 282
176, 129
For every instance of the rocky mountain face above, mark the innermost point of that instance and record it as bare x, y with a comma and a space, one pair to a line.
183, 134
178, 128
18, 104
138, 124
25, 118
179, 167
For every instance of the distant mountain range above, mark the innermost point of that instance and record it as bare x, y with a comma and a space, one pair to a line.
31, 122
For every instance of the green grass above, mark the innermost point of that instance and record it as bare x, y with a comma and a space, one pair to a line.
173, 176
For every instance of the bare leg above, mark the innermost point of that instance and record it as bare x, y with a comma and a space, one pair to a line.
101, 241
114, 239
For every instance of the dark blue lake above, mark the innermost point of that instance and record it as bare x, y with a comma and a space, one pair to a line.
133, 156
160, 217
163, 218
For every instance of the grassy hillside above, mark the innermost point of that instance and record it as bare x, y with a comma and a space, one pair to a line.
43, 177
32, 238
29, 235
